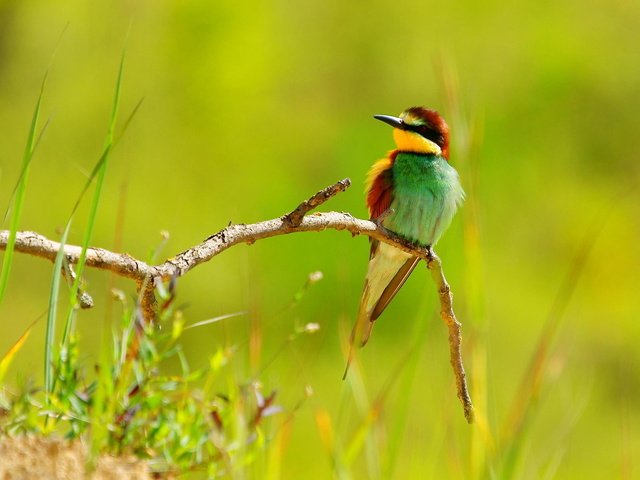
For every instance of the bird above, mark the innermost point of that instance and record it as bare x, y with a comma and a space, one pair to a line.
413, 192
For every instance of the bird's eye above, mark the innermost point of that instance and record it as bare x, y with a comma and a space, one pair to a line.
427, 131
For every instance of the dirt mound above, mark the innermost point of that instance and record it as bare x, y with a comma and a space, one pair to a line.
26, 458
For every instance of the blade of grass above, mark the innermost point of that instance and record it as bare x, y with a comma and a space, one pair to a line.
128, 121
468, 141
275, 453
410, 368
362, 435
25, 165
110, 142
355, 382
214, 320
98, 172
51, 316
325, 430
8, 357
20, 191
103, 408
514, 429
23, 172
17, 196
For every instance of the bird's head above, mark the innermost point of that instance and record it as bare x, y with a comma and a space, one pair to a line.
419, 130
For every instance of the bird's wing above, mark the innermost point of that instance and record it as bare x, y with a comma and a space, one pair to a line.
379, 198
379, 191
380, 186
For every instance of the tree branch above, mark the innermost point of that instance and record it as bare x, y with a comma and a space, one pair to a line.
126, 266
147, 276
294, 218
455, 333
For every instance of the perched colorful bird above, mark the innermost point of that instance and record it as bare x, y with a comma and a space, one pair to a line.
413, 192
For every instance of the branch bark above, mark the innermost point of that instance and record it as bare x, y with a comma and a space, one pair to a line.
434, 264
148, 276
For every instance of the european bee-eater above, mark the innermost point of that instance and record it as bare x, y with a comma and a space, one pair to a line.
413, 192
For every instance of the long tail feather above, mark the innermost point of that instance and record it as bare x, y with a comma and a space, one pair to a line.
362, 324
388, 269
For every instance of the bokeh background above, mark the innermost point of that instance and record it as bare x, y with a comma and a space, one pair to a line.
250, 107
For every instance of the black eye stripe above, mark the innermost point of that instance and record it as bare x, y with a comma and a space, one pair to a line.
429, 133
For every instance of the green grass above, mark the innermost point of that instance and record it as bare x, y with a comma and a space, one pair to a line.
98, 174
19, 192
180, 422
53, 312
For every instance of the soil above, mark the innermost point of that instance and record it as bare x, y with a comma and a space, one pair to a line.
27, 458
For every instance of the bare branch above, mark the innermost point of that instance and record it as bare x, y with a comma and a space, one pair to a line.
455, 334
147, 276
38, 245
294, 218
124, 265
243, 233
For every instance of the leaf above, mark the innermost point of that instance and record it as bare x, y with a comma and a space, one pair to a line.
15, 348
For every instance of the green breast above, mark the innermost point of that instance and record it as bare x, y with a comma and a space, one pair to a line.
426, 194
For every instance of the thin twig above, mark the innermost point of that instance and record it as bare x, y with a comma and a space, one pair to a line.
294, 218
455, 333
148, 276
84, 299
122, 264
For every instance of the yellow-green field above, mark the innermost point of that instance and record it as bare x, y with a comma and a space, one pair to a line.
249, 108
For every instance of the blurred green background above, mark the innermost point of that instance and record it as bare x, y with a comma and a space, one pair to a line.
250, 107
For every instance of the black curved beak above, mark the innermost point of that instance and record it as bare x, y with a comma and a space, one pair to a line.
395, 122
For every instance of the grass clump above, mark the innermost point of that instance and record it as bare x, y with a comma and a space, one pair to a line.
132, 407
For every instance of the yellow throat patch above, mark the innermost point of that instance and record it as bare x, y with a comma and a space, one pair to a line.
408, 141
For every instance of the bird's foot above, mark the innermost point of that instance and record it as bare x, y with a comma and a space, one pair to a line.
378, 220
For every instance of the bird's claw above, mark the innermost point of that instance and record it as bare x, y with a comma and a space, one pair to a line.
380, 218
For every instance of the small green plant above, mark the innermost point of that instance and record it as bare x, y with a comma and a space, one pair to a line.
179, 422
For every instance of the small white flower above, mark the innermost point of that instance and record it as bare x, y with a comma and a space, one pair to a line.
311, 327
315, 277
